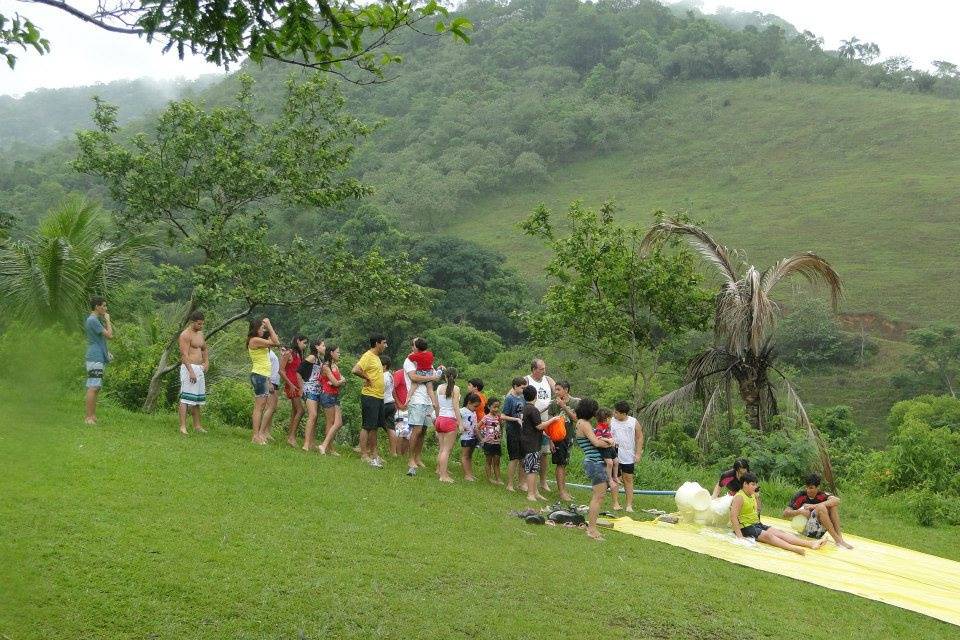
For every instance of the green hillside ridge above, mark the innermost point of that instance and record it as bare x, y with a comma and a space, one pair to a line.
865, 178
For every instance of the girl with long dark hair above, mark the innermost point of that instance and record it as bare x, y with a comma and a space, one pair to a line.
260, 337
293, 384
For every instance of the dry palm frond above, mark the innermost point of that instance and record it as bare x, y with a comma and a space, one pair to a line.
762, 317
666, 406
813, 434
730, 316
716, 254
710, 362
809, 265
709, 409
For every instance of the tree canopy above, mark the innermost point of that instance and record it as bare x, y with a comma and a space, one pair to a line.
318, 34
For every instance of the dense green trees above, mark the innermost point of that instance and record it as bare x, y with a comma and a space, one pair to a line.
204, 178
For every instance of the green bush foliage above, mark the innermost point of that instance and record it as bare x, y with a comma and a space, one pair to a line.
810, 338
135, 354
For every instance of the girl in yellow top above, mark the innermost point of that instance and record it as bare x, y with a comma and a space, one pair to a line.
260, 337
745, 519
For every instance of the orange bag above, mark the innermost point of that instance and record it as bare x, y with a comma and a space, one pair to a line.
556, 429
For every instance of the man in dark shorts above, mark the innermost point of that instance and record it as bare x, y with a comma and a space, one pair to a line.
372, 418
566, 405
821, 509
512, 412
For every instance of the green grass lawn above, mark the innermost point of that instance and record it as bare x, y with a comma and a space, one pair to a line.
126, 530
866, 178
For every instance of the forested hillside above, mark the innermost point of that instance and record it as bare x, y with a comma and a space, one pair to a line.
45, 116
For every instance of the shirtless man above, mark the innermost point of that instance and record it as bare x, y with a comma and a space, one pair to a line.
193, 366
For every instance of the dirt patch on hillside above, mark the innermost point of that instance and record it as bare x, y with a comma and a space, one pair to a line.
875, 324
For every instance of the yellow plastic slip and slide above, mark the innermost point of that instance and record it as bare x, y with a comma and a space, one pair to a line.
901, 577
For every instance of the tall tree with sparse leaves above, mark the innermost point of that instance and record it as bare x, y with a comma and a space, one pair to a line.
204, 178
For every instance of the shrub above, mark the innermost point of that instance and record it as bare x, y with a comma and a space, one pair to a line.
919, 456
674, 443
230, 400
809, 338
127, 376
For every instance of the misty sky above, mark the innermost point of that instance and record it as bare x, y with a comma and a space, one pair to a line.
922, 30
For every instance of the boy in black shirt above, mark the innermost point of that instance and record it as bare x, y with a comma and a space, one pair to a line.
531, 428
821, 509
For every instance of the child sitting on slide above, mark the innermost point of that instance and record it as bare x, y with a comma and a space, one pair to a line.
745, 520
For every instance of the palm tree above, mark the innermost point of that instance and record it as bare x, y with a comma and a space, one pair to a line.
49, 277
743, 352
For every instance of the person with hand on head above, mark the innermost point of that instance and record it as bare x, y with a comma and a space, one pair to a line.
821, 509
98, 330
193, 367
260, 337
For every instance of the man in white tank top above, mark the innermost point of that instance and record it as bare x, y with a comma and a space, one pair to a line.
543, 383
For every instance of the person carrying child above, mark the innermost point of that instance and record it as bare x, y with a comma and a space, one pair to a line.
468, 434
423, 359
593, 462
609, 454
490, 441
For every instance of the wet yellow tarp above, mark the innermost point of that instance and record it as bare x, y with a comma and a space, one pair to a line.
901, 577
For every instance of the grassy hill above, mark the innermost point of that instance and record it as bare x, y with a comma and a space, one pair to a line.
865, 178
127, 530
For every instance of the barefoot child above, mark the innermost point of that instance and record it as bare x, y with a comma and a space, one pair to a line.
609, 454
490, 439
745, 520
468, 434
511, 420
628, 435
531, 429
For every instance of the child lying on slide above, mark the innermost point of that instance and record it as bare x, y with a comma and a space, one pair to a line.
745, 519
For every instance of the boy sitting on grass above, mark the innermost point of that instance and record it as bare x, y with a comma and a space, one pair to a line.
821, 509
745, 519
